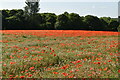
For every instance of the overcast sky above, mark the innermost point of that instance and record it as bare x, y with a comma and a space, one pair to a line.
83, 7
63, 0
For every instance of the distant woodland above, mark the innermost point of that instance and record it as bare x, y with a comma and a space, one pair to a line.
17, 20
30, 19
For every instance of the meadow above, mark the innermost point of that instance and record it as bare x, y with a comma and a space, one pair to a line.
59, 54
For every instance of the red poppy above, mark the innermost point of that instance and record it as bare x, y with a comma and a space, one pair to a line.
119, 71
22, 71
29, 75
53, 51
26, 48
31, 68
109, 60
91, 68
54, 54
12, 62
71, 71
22, 76
25, 56
64, 67
77, 70
10, 75
26, 70
55, 72
65, 74
4, 64
27, 53
105, 69
71, 76
78, 61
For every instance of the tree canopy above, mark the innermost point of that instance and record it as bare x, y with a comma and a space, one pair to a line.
16, 19
32, 7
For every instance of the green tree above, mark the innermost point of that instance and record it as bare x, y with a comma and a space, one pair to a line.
13, 12
109, 23
62, 22
118, 28
113, 25
104, 24
13, 19
75, 21
31, 15
106, 19
119, 19
50, 20
4, 21
32, 7
12, 22
93, 22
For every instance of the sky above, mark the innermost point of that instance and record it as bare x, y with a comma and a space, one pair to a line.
63, 0
100, 8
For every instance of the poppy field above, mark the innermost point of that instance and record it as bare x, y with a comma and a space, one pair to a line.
59, 54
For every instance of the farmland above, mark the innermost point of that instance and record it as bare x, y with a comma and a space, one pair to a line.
59, 54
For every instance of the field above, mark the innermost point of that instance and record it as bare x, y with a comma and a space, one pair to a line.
59, 54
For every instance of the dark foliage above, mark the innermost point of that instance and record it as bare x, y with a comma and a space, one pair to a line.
18, 20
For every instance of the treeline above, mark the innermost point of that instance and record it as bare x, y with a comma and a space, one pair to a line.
19, 20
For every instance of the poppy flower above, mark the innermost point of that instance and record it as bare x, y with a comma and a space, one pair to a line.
31, 68
98, 63
105, 69
71, 76
26, 48
10, 75
55, 72
91, 68
78, 61
26, 53
12, 62
4, 64
119, 71
22, 77
71, 71
109, 60
64, 67
65, 74
29, 75
22, 71
54, 54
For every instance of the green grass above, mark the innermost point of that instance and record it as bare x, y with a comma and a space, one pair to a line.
49, 54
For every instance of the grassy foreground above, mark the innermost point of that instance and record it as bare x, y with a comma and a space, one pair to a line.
31, 56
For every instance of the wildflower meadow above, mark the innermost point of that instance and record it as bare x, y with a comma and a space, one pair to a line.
59, 54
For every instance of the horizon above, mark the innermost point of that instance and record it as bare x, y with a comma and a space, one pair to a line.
99, 9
